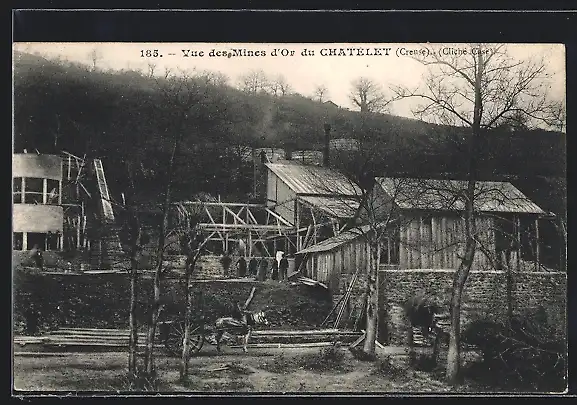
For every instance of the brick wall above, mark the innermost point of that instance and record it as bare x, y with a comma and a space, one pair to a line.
484, 296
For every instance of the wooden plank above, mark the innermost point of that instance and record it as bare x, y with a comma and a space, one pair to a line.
452, 248
443, 242
283, 345
422, 243
359, 340
435, 243
403, 247
427, 243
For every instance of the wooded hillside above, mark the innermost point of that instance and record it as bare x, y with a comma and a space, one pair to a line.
121, 116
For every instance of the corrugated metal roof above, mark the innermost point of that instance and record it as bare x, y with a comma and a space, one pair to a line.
334, 206
428, 194
336, 241
303, 179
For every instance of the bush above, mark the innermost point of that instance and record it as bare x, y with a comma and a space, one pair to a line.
522, 355
327, 359
386, 367
424, 362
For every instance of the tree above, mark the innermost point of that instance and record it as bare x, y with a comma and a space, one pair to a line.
95, 55
182, 94
367, 96
480, 90
279, 85
321, 92
255, 81
374, 219
151, 69
213, 78
133, 237
192, 242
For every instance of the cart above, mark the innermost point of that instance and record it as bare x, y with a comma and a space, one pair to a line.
171, 334
171, 331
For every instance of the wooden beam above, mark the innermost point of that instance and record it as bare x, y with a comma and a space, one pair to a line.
234, 215
278, 217
220, 204
225, 227
249, 299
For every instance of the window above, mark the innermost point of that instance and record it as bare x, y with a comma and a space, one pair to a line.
52, 241
36, 240
33, 190
17, 190
17, 241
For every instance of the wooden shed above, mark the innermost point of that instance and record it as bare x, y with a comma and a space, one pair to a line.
311, 198
427, 231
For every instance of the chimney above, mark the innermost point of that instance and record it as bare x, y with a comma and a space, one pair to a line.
326, 159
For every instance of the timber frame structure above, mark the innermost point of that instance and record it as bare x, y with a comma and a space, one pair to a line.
256, 229
251, 227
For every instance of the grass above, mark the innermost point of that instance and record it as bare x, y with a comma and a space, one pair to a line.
332, 369
329, 359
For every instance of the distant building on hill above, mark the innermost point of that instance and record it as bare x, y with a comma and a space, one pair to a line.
329, 103
344, 144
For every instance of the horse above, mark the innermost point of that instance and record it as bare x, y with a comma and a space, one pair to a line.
245, 325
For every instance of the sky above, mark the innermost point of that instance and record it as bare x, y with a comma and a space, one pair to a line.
304, 73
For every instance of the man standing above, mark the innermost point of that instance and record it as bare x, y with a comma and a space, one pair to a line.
241, 267
283, 267
262, 269
252, 267
38, 257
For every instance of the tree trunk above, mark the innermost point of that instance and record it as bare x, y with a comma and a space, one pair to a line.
460, 277
372, 300
454, 353
156, 306
133, 341
410, 341
136, 238
187, 316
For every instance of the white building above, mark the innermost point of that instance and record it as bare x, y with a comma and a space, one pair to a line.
38, 216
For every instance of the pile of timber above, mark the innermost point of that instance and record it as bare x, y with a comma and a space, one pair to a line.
89, 339
304, 336
117, 339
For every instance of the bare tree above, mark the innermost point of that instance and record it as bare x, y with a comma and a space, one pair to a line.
183, 94
213, 78
192, 242
282, 86
95, 55
167, 72
479, 90
321, 92
134, 238
368, 95
255, 81
151, 69
353, 186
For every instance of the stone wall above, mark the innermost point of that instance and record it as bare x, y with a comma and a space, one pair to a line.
485, 295
207, 267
